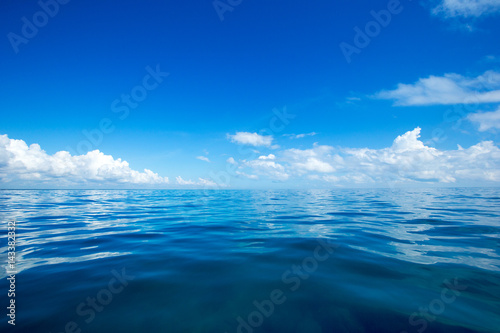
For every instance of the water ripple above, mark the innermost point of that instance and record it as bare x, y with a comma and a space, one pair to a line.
201, 258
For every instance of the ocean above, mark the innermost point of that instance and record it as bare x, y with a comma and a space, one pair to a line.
340, 260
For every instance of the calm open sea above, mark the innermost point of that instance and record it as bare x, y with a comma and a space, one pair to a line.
377, 260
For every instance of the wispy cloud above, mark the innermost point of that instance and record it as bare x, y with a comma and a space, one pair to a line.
203, 158
490, 58
20, 162
254, 177
300, 136
466, 8
447, 89
252, 139
200, 182
486, 120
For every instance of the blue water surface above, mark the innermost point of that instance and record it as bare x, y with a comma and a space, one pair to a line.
361, 260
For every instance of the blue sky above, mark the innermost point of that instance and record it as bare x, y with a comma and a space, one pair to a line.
427, 72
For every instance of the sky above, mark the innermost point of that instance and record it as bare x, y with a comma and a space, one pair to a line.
249, 94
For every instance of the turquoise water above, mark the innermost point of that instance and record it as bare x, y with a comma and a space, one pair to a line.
254, 261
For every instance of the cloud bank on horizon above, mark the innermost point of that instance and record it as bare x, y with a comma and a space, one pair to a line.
407, 161
32, 165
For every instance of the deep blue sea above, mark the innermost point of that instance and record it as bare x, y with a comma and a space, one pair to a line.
361, 260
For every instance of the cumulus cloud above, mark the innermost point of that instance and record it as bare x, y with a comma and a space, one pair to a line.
446, 90
466, 8
486, 120
407, 160
268, 157
268, 168
252, 139
318, 159
20, 162
181, 181
203, 158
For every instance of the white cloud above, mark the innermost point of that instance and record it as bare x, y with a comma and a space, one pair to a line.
300, 136
231, 161
466, 8
445, 90
314, 164
203, 158
408, 142
268, 157
181, 181
318, 159
268, 168
486, 120
252, 139
331, 178
206, 182
408, 160
20, 162
254, 177
200, 182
